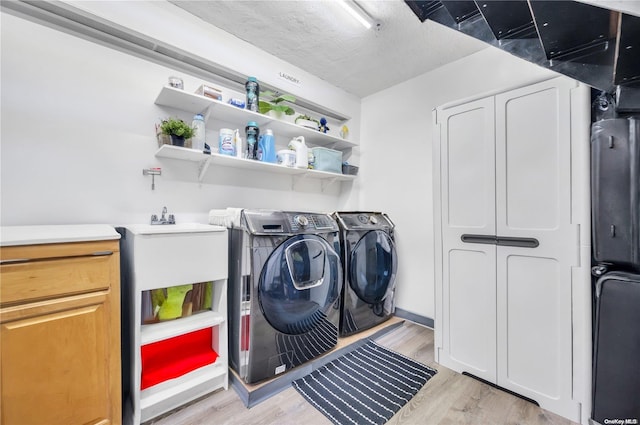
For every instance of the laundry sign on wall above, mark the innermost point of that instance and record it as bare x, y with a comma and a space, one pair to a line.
289, 78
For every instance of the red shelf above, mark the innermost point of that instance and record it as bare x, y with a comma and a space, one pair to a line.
177, 356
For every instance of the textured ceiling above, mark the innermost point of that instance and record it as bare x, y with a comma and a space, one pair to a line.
322, 39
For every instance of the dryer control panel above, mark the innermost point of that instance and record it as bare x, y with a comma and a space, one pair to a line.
364, 220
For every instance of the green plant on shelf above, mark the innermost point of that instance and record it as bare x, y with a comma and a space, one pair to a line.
271, 101
176, 127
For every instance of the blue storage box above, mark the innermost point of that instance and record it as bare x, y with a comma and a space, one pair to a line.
325, 159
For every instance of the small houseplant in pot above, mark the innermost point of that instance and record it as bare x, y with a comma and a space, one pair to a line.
307, 121
178, 130
275, 104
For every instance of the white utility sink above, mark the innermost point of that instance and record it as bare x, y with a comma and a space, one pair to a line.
154, 229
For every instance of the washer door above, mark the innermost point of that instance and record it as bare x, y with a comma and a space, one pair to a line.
299, 283
373, 266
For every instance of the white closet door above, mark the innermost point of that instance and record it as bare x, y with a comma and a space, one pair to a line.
468, 269
533, 200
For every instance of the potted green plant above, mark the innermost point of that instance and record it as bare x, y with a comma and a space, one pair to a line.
178, 130
307, 121
270, 101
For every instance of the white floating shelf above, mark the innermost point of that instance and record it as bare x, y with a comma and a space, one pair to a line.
180, 99
175, 392
315, 174
163, 330
220, 111
186, 154
250, 164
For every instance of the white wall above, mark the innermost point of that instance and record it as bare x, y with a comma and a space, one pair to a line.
167, 23
78, 129
396, 157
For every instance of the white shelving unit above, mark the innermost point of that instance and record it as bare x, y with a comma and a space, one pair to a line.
205, 160
165, 256
160, 331
196, 104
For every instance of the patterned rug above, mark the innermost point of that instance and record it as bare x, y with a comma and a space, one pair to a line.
366, 386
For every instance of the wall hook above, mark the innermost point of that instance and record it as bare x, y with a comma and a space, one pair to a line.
153, 172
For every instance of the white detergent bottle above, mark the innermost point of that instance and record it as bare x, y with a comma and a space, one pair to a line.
302, 152
238, 142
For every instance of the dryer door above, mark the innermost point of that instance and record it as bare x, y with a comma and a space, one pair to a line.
299, 283
372, 267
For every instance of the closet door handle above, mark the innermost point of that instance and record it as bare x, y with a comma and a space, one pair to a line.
500, 240
519, 242
483, 239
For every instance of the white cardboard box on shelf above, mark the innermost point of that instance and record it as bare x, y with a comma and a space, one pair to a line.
209, 91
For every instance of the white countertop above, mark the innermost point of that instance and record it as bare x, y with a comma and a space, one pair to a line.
149, 229
41, 234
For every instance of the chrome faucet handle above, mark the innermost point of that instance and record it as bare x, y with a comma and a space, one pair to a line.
163, 219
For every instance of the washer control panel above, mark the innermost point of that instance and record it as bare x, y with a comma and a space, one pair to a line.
311, 222
284, 223
301, 220
324, 222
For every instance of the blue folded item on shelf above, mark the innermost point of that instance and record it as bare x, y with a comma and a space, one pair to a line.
237, 102
325, 159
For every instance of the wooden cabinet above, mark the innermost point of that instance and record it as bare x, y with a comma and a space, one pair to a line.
512, 258
60, 333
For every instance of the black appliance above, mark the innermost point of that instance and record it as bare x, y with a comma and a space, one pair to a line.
615, 190
285, 279
370, 262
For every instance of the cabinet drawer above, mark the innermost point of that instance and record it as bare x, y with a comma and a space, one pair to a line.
52, 278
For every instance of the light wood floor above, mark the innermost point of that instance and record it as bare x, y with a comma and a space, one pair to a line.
449, 398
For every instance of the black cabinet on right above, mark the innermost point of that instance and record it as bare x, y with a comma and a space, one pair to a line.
616, 370
615, 201
615, 187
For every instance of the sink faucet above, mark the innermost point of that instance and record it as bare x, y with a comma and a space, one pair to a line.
163, 219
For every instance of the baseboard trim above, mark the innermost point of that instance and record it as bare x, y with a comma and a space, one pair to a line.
513, 393
422, 320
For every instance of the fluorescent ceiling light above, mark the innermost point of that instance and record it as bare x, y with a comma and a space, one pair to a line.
357, 12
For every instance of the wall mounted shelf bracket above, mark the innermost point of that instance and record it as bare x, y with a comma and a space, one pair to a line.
202, 168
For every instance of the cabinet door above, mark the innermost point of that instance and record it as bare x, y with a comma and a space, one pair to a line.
467, 175
533, 201
54, 362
